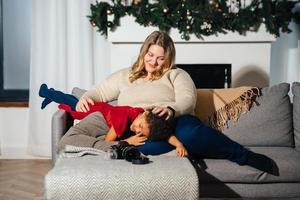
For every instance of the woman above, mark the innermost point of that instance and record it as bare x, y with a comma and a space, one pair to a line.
154, 81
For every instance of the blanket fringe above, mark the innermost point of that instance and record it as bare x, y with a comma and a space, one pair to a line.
232, 111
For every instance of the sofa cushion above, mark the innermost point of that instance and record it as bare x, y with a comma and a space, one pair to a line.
268, 123
271, 191
296, 112
286, 158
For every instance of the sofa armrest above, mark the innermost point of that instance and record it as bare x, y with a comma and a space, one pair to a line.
61, 122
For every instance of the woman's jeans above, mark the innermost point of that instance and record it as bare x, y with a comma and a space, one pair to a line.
200, 141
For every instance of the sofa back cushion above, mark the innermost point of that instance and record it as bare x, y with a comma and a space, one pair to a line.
78, 92
296, 112
267, 123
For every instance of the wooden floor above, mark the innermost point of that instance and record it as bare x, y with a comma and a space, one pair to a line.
22, 179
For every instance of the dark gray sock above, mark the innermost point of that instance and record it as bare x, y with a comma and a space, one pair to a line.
42, 94
262, 163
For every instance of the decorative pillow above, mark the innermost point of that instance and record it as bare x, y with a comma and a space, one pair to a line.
269, 122
296, 112
216, 107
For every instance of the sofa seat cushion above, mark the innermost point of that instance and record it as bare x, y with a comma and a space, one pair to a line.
97, 177
286, 158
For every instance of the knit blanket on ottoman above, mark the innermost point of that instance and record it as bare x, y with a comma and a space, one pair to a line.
98, 177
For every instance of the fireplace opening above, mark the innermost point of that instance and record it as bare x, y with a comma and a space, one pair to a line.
209, 75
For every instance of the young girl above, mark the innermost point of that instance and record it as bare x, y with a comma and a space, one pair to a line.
122, 120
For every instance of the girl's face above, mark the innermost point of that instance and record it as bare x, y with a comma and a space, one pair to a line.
154, 58
140, 125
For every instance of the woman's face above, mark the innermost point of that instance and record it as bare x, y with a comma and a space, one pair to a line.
154, 58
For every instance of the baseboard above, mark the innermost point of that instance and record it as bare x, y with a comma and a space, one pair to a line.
17, 153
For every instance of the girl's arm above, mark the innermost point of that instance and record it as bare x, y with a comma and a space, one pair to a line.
180, 149
136, 140
111, 136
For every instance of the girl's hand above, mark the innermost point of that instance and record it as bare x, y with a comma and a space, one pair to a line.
181, 151
83, 104
161, 111
136, 140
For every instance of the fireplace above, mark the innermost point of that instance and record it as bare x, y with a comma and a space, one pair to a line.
209, 75
248, 55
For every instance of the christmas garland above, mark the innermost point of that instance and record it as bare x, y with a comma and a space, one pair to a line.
198, 17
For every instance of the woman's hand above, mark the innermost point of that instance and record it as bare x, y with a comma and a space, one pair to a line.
163, 111
83, 104
136, 140
181, 151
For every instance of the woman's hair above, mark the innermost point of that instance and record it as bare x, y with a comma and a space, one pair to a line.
155, 38
160, 128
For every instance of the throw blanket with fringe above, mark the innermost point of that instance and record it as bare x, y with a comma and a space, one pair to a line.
216, 107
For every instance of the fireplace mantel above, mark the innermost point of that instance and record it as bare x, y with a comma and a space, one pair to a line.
131, 32
249, 55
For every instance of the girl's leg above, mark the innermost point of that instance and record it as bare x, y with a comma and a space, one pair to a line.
89, 132
56, 96
202, 141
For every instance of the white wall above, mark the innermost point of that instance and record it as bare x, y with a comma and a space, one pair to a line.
285, 57
13, 132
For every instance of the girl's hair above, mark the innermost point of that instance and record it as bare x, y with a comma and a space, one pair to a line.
155, 38
160, 128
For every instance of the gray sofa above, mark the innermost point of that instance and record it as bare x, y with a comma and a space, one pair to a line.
271, 127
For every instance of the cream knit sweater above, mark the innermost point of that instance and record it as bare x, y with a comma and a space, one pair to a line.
175, 89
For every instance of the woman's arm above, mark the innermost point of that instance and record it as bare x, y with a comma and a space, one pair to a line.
107, 90
185, 93
180, 149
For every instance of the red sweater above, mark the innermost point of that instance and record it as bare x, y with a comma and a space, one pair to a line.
118, 117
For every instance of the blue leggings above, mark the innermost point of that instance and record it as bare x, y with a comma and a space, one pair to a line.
200, 141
